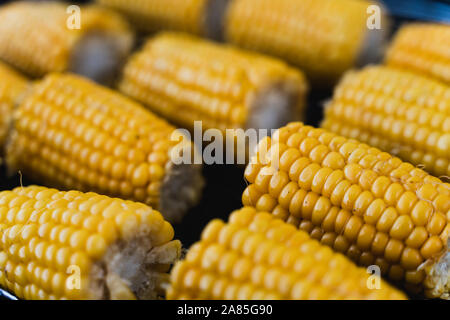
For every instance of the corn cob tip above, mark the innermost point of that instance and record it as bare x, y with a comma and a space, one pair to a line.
74, 245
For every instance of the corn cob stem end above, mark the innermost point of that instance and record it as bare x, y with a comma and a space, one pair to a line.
215, 18
375, 44
181, 189
275, 106
100, 56
439, 276
132, 270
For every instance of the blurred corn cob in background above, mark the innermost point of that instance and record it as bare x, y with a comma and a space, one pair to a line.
322, 37
256, 256
73, 245
399, 112
12, 87
359, 200
154, 15
73, 134
423, 48
185, 79
36, 38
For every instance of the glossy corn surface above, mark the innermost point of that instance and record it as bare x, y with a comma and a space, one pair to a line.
73, 134
256, 256
49, 237
422, 48
185, 79
399, 112
40, 37
322, 37
360, 201
12, 86
155, 15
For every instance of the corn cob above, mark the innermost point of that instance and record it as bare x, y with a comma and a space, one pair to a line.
186, 79
155, 15
12, 86
398, 112
74, 134
423, 48
73, 245
359, 200
256, 256
36, 38
322, 37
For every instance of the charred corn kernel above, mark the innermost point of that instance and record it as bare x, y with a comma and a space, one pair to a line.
256, 256
64, 261
54, 140
422, 47
399, 112
363, 204
155, 15
186, 79
322, 37
39, 38
12, 86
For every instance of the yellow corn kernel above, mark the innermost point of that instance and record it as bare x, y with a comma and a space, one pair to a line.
423, 48
74, 134
399, 112
365, 203
256, 256
187, 79
322, 37
39, 260
12, 86
41, 37
155, 15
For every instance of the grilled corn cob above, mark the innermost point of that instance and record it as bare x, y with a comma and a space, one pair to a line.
12, 86
186, 79
42, 37
73, 134
256, 256
423, 48
154, 15
74, 245
398, 112
359, 200
322, 37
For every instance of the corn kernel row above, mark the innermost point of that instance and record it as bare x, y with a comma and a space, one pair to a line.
256, 256
422, 48
45, 234
12, 86
73, 134
404, 114
357, 199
